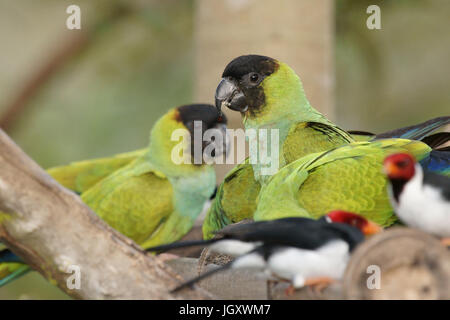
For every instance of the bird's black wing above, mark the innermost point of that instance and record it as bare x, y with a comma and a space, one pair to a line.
439, 182
180, 244
257, 231
314, 236
302, 233
295, 232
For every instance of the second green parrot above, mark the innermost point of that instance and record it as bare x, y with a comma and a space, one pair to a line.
154, 195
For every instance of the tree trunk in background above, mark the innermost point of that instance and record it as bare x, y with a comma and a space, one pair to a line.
298, 32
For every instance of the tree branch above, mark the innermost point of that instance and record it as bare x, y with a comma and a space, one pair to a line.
52, 229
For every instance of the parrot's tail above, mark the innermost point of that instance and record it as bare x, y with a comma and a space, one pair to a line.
7, 255
208, 273
181, 244
416, 132
11, 267
12, 271
438, 161
435, 141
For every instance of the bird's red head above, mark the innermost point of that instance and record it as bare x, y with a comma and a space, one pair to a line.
367, 227
399, 166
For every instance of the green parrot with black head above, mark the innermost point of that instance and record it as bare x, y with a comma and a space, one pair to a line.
155, 198
269, 95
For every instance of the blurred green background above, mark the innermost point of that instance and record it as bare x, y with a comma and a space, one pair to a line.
70, 95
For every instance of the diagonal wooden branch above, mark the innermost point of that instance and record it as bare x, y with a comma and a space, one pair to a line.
53, 230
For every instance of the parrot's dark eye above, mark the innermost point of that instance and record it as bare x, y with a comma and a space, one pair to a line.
254, 77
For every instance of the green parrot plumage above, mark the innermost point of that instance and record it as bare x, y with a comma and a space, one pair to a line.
152, 200
282, 104
79, 176
269, 94
145, 194
345, 178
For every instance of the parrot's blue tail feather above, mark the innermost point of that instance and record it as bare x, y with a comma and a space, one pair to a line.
12, 267
416, 132
16, 274
438, 161
7, 255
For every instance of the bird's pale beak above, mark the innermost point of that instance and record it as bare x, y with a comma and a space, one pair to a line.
371, 228
229, 94
390, 169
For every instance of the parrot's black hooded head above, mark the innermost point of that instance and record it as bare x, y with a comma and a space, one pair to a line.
200, 119
264, 91
241, 87
189, 134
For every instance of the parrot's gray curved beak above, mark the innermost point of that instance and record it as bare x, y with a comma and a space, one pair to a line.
229, 94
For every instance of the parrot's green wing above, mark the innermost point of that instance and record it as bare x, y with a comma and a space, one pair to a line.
170, 230
81, 175
346, 178
122, 200
361, 135
235, 199
310, 137
284, 187
236, 196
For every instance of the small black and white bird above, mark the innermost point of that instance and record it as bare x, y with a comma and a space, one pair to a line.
301, 250
421, 199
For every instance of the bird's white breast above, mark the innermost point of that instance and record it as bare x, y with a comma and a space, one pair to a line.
233, 247
298, 265
423, 207
252, 260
